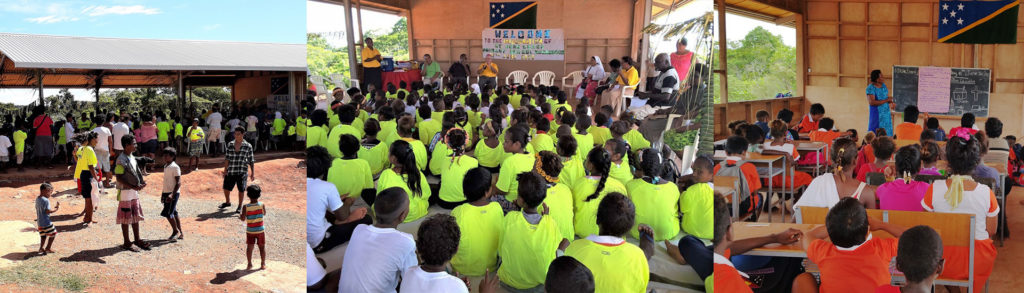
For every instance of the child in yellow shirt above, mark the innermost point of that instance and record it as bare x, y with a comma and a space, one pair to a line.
529, 240
559, 197
617, 266
480, 221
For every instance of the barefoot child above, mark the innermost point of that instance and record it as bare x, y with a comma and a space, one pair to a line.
170, 194
43, 211
129, 183
252, 214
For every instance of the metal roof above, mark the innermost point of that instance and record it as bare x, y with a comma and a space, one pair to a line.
63, 52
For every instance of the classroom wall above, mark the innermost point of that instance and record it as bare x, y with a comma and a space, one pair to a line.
846, 40
445, 29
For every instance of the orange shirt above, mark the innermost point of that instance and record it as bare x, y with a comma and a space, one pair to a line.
806, 125
908, 131
862, 269
749, 173
824, 136
728, 279
887, 289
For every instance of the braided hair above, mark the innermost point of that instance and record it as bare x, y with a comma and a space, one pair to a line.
405, 160
601, 163
456, 141
652, 164
549, 166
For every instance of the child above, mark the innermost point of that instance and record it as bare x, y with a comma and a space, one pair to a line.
909, 129
904, 193
129, 183
566, 274
196, 137
43, 211
787, 116
404, 130
454, 167
348, 173
725, 277
617, 266
436, 242
346, 115
86, 171
811, 119
620, 168
599, 130
559, 199
373, 151
933, 125
170, 193
850, 260
779, 145
584, 140
826, 133
919, 258
19, 145
966, 122
588, 192
542, 141
377, 255
529, 240
252, 214
882, 148
518, 161
762, 121
5, 155
750, 182
656, 200
490, 153
427, 127
696, 202
481, 221
572, 165
405, 175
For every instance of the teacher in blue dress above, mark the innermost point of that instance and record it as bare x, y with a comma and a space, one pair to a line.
881, 104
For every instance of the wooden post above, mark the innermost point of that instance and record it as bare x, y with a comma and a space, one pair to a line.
645, 45
39, 80
181, 95
723, 46
359, 18
351, 42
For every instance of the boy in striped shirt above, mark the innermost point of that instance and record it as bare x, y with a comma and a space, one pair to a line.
252, 214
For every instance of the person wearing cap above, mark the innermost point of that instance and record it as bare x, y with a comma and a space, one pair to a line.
488, 73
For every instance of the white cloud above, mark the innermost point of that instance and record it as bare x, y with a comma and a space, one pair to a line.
119, 10
211, 27
51, 19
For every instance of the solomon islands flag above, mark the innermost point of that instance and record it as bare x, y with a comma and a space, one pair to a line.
978, 22
514, 15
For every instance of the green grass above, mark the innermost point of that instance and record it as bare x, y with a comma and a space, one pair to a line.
36, 273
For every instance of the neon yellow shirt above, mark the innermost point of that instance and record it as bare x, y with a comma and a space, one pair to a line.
600, 134
572, 171
417, 204
585, 214
616, 268
438, 115
452, 174
376, 157
621, 172
300, 128
291, 130
559, 201
316, 136
279, 127
512, 166
420, 151
333, 120
350, 176
19, 141
584, 143
429, 128
657, 206
515, 99
195, 134
62, 137
543, 143
490, 157
697, 206
636, 140
387, 128
86, 157
555, 106
526, 250
178, 130
162, 129
479, 229
333, 139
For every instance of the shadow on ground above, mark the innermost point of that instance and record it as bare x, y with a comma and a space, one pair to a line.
219, 214
97, 255
225, 277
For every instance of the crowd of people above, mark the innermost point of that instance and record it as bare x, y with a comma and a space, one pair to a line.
501, 180
962, 168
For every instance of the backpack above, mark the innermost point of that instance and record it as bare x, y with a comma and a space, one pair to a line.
726, 169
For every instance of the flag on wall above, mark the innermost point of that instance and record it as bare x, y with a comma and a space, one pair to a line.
514, 15
978, 22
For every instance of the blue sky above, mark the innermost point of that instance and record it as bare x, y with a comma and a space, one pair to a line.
275, 21
270, 21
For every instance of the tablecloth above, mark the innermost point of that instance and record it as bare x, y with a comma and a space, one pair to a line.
396, 77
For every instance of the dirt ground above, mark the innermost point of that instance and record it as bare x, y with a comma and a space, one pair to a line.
211, 258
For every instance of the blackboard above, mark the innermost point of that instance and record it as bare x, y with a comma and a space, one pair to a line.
969, 90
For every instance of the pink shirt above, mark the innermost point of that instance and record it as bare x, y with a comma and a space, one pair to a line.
901, 196
682, 64
147, 132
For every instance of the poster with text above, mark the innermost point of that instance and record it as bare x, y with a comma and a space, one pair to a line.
933, 89
524, 44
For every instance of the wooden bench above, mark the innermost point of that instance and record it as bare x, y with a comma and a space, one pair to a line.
955, 230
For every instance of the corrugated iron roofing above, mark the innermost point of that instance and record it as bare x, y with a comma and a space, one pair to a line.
44, 51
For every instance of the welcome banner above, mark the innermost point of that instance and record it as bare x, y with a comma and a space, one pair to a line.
524, 44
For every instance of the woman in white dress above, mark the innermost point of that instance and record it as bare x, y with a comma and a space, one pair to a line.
826, 190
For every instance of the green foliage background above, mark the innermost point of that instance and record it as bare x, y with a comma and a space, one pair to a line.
324, 59
138, 100
760, 66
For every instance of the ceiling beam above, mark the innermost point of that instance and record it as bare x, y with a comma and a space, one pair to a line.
659, 4
795, 6
786, 20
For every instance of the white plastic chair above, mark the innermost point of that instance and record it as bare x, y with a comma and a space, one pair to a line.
547, 78
577, 78
339, 80
518, 77
318, 82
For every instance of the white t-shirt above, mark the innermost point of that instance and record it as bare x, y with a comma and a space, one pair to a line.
981, 202
4, 144
314, 271
250, 123
321, 197
170, 171
785, 148
415, 279
120, 130
233, 123
213, 121
375, 259
102, 135
69, 130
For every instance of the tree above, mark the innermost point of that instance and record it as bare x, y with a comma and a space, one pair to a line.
323, 59
760, 66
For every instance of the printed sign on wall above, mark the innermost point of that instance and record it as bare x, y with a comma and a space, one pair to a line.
524, 44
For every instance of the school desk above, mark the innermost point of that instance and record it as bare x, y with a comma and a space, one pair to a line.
806, 147
765, 170
726, 185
